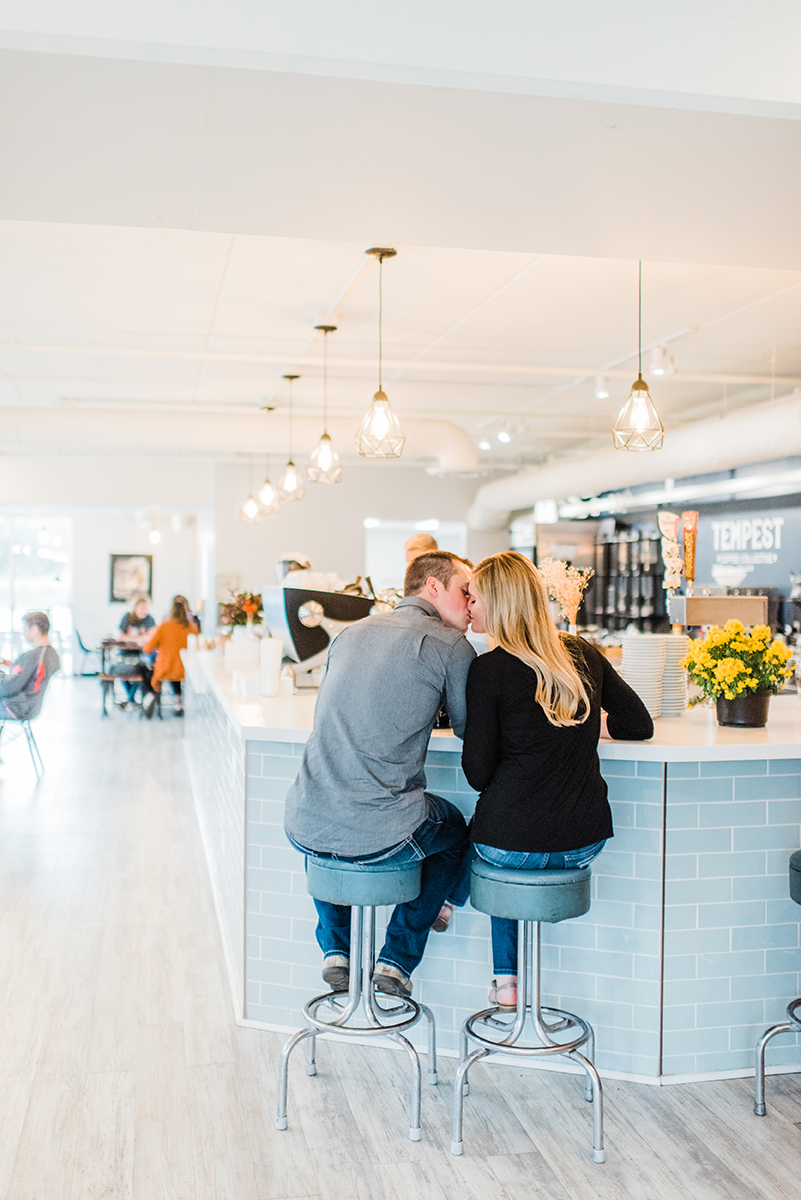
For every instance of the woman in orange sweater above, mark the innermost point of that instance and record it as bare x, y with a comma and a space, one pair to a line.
168, 640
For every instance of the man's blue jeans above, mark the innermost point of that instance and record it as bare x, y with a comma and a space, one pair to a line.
504, 931
442, 843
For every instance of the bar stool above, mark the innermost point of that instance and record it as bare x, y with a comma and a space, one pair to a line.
530, 898
793, 1022
363, 890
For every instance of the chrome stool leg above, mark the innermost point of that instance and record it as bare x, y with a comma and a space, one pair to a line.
791, 1025
530, 1010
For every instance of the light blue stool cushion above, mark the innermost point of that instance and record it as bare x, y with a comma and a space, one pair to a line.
530, 895
795, 876
360, 887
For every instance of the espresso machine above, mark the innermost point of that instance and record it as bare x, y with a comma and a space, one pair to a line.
307, 621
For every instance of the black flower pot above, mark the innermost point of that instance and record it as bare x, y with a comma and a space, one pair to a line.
749, 711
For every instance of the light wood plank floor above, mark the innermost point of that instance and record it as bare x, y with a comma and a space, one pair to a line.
122, 1073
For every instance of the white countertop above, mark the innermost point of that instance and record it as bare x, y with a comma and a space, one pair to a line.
694, 737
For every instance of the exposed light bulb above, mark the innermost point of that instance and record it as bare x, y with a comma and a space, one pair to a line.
503, 436
290, 485
601, 387
484, 446
324, 465
250, 513
380, 434
268, 499
638, 426
155, 536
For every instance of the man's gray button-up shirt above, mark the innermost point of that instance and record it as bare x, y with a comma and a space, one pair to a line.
362, 781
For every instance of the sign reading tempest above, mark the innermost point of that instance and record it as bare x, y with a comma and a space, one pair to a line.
754, 533
755, 550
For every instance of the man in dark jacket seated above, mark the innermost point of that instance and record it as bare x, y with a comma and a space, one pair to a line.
21, 688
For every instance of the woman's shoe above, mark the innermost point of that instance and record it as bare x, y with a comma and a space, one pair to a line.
503, 993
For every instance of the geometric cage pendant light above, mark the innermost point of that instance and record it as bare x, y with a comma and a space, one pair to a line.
638, 426
380, 434
324, 465
290, 485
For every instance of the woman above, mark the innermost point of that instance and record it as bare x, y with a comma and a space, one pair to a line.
168, 640
135, 627
531, 741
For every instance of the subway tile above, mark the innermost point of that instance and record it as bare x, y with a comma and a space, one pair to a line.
272, 812
628, 1040
280, 905
438, 778
695, 1041
685, 770
599, 962
575, 986
252, 992
438, 970
580, 935
745, 1037
611, 887
698, 941
746, 813
290, 952
636, 791
632, 1064
614, 863
463, 786
736, 962
785, 766
736, 1012
267, 789
701, 791
261, 971
730, 1060
612, 912
732, 767
253, 899
647, 816
648, 866
266, 835
764, 937
737, 913
273, 749
649, 770
608, 1015
682, 816
759, 887
442, 758
784, 1051
767, 837
681, 966
470, 998
624, 816
681, 916
740, 863
698, 841
784, 812
678, 1064
253, 947
712, 891
254, 765
680, 1016
783, 910
271, 926
778, 962
774, 787
253, 856
633, 941
681, 866
254, 809
637, 841
647, 968
463, 949
645, 1019
643, 992
714, 990
747, 987
470, 974
615, 768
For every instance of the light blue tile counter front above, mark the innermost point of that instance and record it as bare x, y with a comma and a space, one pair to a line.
691, 946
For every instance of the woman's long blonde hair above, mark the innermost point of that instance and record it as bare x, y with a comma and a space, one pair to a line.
518, 619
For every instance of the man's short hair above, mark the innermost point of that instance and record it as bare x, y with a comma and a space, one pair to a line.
422, 542
39, 619
439, 563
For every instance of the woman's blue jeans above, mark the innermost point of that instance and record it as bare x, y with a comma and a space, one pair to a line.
441, 842
504, 930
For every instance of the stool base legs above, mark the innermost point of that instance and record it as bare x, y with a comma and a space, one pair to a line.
529, 1010
379, 1022
791, 1025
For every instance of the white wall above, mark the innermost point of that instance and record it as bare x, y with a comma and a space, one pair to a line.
97, 535
327, 524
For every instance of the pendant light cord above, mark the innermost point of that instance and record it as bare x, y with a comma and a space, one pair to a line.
380, 318
639, 323
325, 382
290, 420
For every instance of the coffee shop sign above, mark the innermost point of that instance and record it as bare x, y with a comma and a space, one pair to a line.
746, 541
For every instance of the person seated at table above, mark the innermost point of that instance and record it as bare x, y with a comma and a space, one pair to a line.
30, 673
168, 641
417, 544
135, 627
534, 717
194, 619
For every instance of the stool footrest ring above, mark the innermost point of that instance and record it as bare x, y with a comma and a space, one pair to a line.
568, 1021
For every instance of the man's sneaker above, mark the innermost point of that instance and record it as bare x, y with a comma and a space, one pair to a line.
444, 919
148, 704
391, 985
336, 973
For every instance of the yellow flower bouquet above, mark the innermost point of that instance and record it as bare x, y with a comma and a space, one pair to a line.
733, 661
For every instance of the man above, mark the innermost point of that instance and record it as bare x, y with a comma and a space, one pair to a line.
20, 690
417, 544
360, 795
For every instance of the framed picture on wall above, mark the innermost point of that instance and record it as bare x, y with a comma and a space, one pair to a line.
131, 575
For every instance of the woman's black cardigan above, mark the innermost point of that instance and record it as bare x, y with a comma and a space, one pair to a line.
541, 786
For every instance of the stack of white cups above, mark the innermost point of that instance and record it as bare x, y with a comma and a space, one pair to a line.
642, 668
674, 677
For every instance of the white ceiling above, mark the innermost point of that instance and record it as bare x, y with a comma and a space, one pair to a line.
104, 317
187, 190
